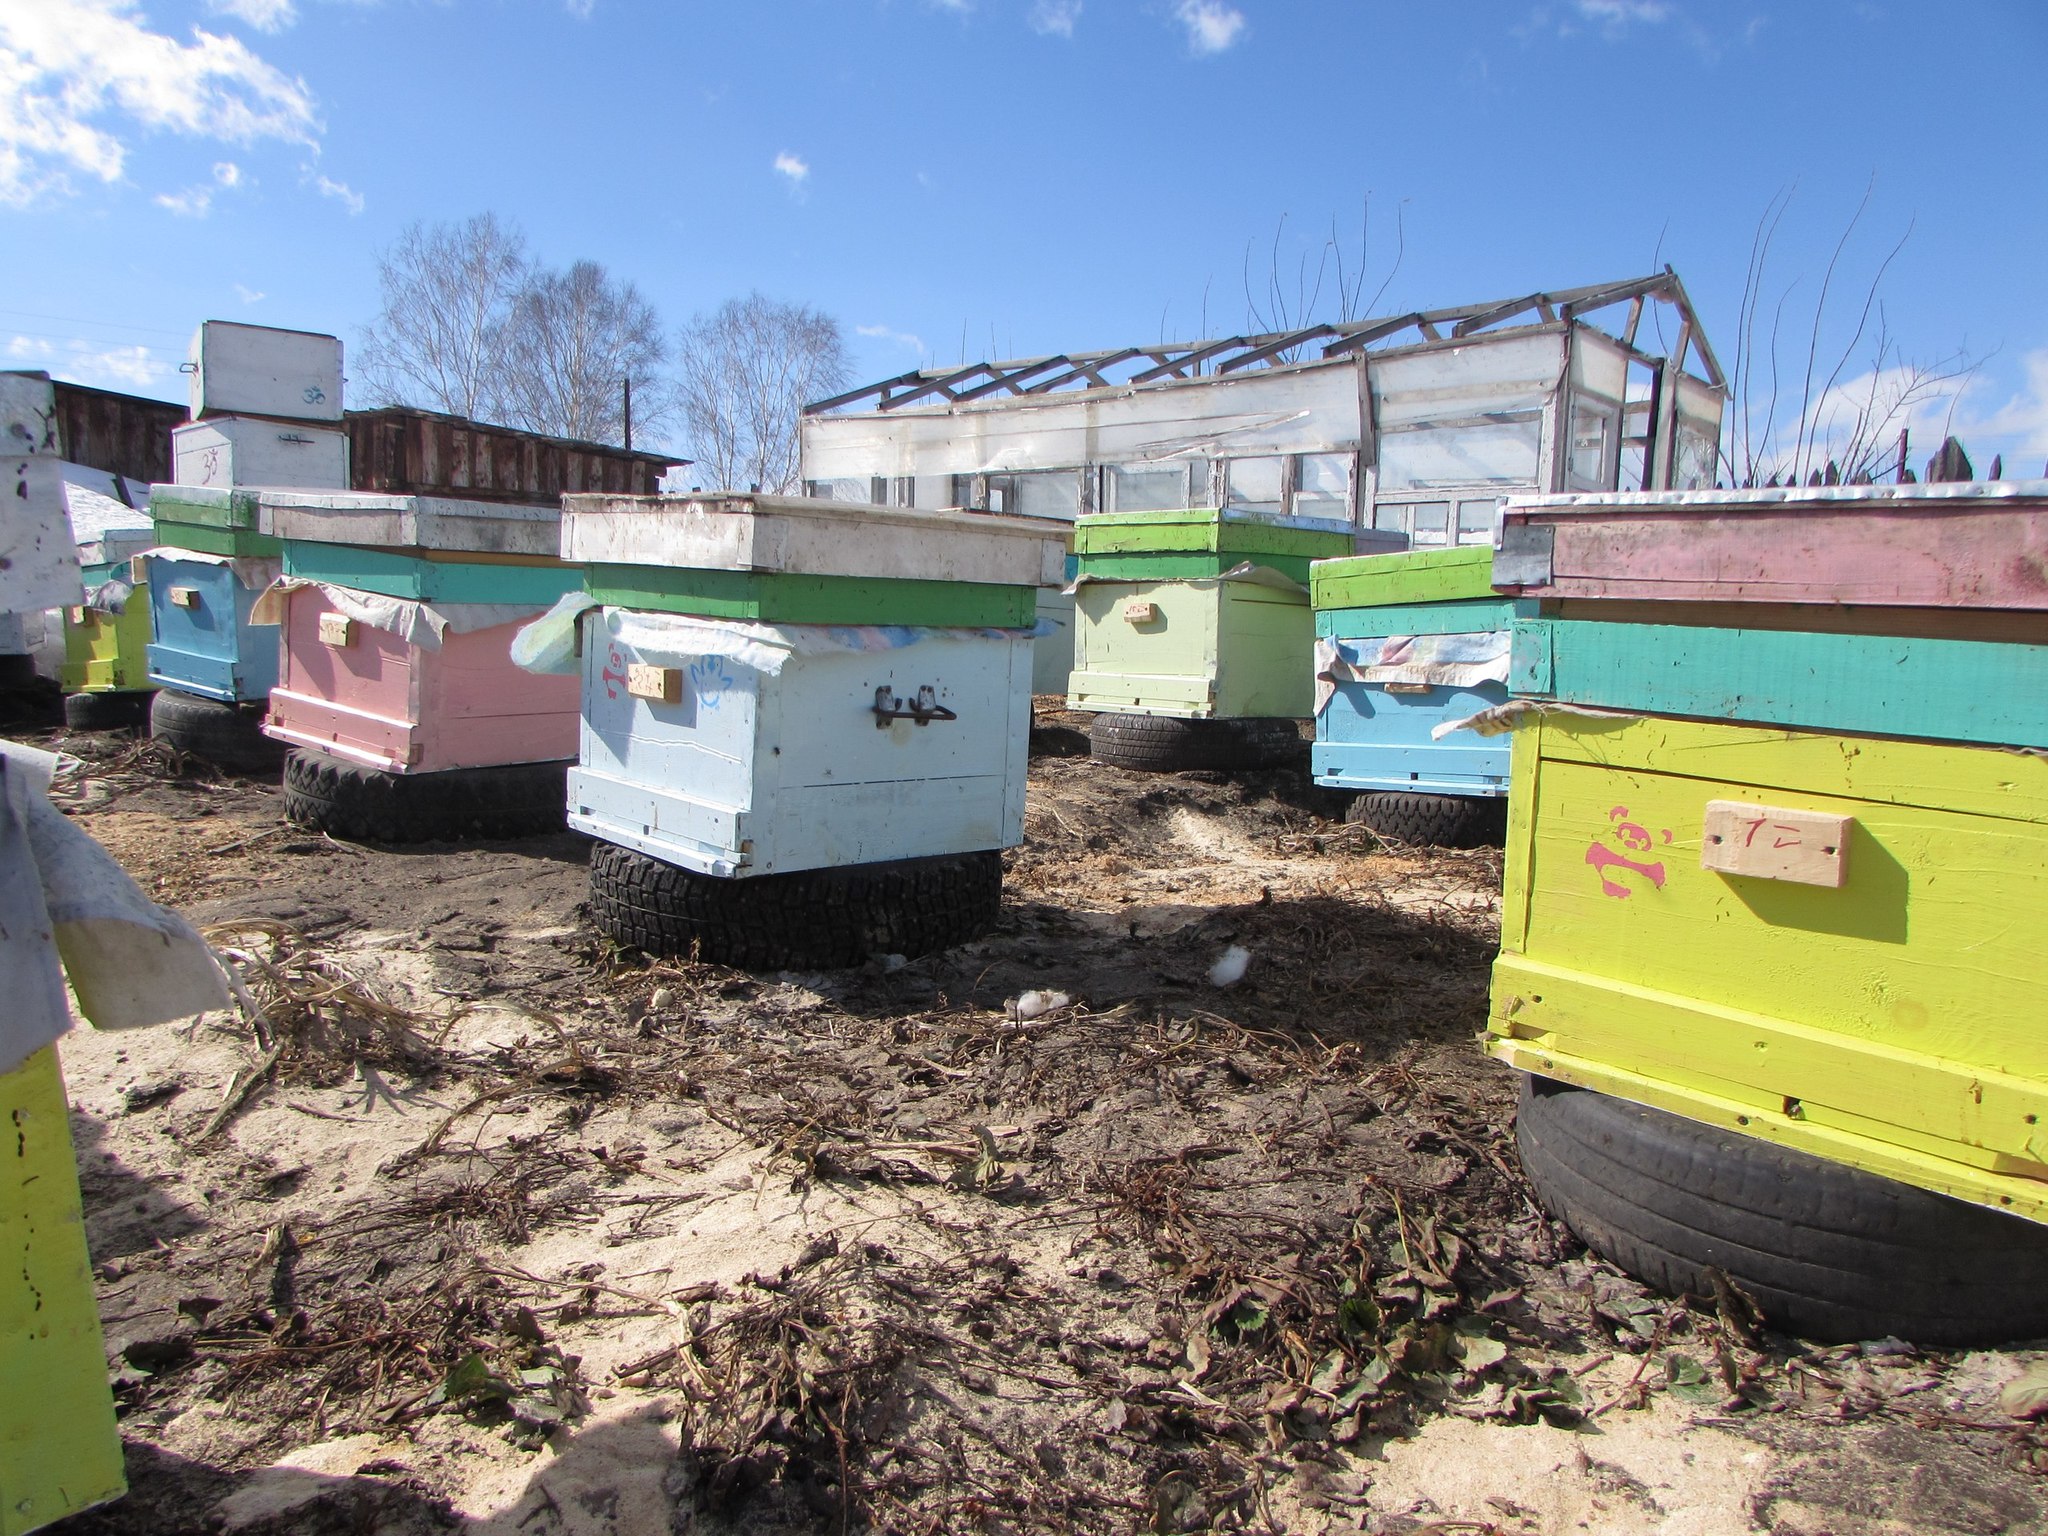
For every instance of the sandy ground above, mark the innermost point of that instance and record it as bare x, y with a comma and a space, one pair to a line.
492, 1229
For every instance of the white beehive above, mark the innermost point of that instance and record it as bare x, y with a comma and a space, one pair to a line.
258, 370
238, 450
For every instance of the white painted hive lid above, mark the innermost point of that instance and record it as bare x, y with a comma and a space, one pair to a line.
383, 520
811, 536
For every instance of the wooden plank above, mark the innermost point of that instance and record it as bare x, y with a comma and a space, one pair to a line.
1775, 842
1418, 576
1976, 781
1468, 617
2016, 626
59, 1449
775, 598
1944, 690
1945, 551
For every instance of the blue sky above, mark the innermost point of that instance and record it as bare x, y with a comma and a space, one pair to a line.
1022, 176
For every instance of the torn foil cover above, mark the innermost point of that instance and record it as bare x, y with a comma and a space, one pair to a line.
1435, 661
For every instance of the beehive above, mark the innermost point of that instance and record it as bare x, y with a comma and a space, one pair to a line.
1382, 623
59, 1449
1167, 621
104, 651
202, 639
383, 693
792, 684
1778, 850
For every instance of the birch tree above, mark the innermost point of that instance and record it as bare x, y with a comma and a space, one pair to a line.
438, 341
572, 338
746, 371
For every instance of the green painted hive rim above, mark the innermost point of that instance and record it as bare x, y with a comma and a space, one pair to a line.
780, 598
228, 509
1187, 565
216, 541
407, 574
1413, 576
1202, 532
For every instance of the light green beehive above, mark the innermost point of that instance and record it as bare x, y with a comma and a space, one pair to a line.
1163, 627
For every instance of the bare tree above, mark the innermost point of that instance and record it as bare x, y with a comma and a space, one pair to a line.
572, 336
1835, 431
747, 370
438, 340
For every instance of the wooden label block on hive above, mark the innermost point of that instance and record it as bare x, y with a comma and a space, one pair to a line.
337, 630
1138, 612
184, 597
664, 684
1768, 842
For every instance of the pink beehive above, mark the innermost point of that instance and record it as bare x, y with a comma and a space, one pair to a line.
374, 697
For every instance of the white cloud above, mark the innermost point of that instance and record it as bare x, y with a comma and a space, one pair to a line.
797, 170
92, 362
192, 203
75, 74
248, 295
907, 339
1619, 13
1055, 18
1212, 25
580, 9
29, 347
2018, 427
227, 173
341, 191
263, 15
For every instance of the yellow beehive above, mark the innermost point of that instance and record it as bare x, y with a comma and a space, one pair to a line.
59, 1450
1862, 979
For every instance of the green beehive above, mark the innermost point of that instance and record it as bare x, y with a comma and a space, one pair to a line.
1200, 613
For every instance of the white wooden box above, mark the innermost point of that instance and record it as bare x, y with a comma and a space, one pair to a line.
737, 759
239, 450
258, 370
383, 520
810, 536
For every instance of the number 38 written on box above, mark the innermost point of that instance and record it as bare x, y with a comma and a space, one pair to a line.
1771, 842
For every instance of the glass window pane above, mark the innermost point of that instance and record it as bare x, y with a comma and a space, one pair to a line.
1325, 488
1592, 431
1487, 453
931, 491
1432, 526
1476, 520
1698, 458
1048, 493
1147, 487
1258, 485
1391, 516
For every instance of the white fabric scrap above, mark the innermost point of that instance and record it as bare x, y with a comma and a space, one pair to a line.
1435, 661
1516, 713
66, 908
550, 645
255, 572
422, 624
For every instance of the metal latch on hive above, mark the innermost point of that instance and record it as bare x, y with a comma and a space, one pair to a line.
924, 709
